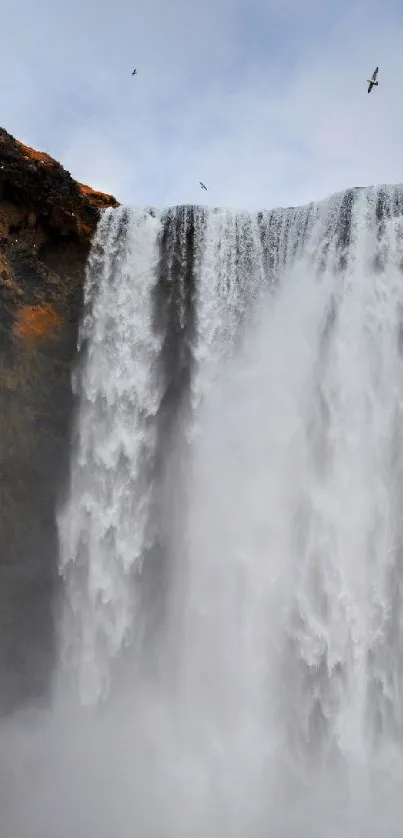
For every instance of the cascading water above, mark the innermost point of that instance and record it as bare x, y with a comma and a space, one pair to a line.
105, 525
232, 544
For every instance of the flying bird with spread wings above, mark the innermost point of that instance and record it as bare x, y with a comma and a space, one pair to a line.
202, 185
373, 82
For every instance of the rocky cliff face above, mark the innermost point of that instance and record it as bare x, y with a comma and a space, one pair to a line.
46, 223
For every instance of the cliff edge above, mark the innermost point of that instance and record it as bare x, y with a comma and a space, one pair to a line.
47, 220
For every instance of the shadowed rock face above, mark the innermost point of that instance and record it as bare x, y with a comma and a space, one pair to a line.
46, 224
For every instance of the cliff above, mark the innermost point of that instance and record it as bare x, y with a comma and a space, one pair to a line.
46, 223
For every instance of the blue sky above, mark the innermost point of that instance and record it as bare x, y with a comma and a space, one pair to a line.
264, 101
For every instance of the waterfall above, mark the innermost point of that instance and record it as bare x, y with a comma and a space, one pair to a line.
231, 544
107, 514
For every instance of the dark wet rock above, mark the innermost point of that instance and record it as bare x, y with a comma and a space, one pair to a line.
46, 223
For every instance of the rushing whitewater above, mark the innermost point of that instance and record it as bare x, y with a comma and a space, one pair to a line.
231, 546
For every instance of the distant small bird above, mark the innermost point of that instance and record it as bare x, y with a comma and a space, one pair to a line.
134, 72
373, 81
202, 185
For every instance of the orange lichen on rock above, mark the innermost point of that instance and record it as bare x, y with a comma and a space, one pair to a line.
100, 199
40, 156
34, 322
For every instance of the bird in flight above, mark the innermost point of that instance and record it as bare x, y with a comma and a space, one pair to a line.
202, 185
373, 81
134, 72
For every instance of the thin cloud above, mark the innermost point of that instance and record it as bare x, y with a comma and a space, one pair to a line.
266, 104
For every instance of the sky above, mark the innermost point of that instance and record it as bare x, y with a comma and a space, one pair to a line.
264, 101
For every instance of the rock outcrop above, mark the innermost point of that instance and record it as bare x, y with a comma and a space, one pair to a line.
46, 223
